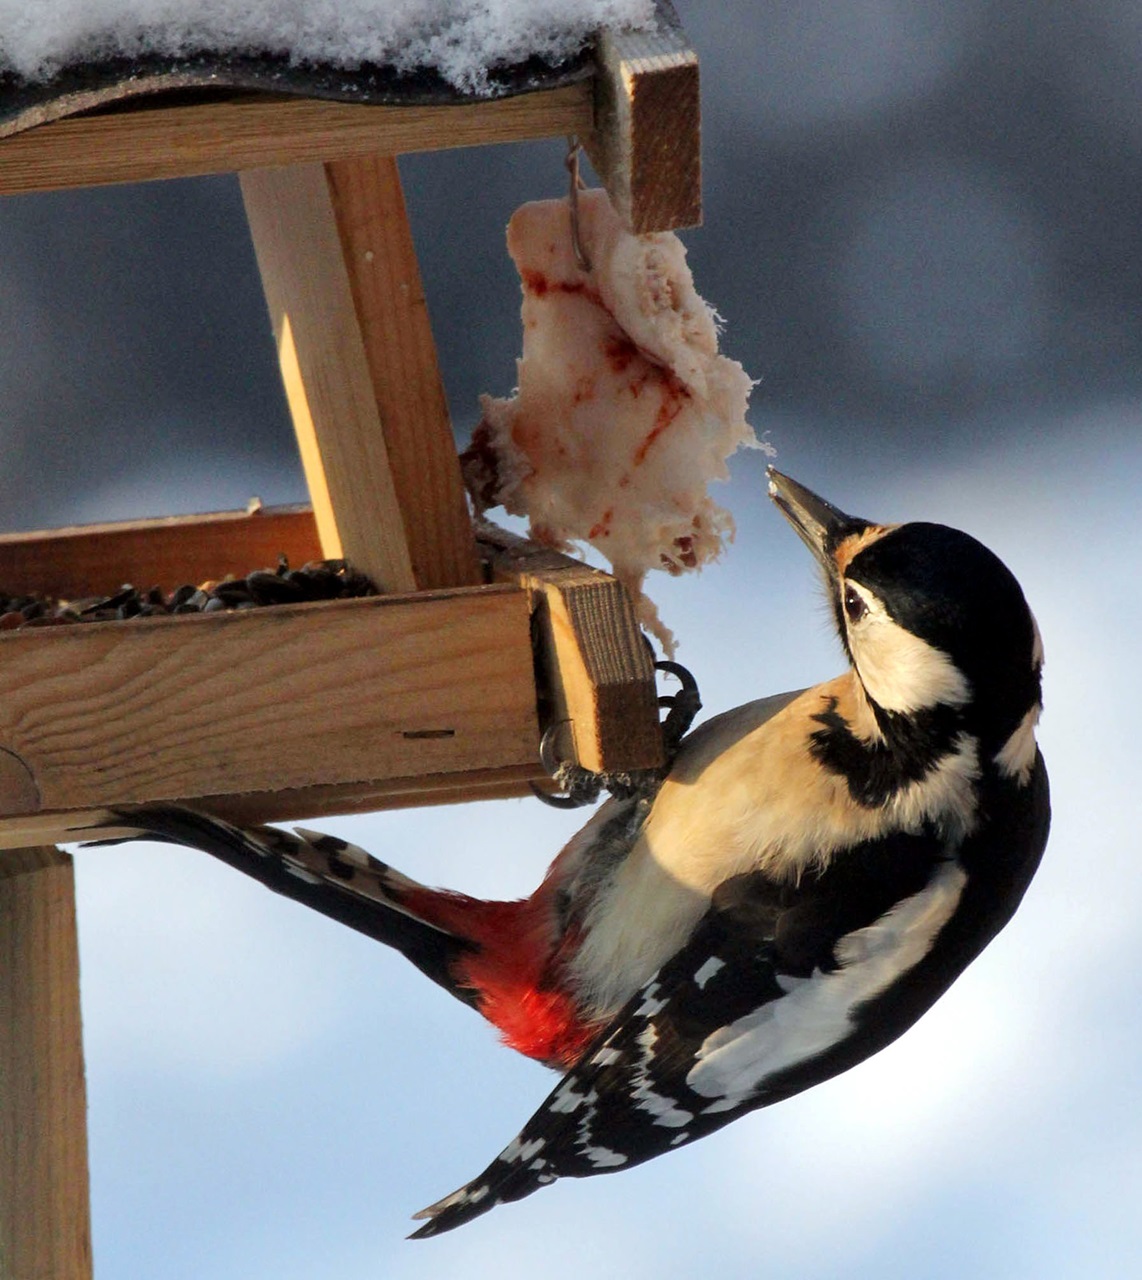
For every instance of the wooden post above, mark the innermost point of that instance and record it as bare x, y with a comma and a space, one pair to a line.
646, 144
45, 1224
326, 371
359, 363
384, 276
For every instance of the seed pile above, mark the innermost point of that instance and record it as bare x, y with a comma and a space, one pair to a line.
318, 580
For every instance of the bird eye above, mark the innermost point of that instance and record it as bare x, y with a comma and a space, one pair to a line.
855, 607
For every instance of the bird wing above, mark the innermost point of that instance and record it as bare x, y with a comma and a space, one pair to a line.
774, 991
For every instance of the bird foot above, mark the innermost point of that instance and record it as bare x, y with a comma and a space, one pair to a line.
683, 708
579, 787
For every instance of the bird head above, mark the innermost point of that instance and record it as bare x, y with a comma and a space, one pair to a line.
929, 617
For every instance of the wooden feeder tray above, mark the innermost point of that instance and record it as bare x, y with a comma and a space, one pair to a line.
436, 690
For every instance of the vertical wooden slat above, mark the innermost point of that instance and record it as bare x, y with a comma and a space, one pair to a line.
384, 275
326, 371
646, 144
342, 281
597, 670
45, 1224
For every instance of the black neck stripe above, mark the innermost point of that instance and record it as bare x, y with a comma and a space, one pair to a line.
912, 748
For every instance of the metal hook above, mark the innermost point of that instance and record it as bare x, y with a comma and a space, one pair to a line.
577, 184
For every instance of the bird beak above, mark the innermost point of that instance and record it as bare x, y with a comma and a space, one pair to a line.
819, 524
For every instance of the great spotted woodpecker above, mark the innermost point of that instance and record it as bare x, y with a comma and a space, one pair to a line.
811, 875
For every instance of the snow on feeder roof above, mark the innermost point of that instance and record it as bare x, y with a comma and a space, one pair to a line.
461, 45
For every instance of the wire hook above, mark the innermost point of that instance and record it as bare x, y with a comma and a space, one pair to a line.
574, 147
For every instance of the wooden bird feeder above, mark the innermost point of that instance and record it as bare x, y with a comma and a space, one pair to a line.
436, 690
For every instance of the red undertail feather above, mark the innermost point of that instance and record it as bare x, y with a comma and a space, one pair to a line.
515, 970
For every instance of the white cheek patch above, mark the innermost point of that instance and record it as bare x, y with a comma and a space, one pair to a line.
816, 1012
900, 671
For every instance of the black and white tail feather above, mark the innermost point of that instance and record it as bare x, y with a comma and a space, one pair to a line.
323, 872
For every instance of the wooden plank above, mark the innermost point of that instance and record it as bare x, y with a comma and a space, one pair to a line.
392, 312
252, 131
389, 793
93, 560
598, 672
45, 1224
292, 805
646, 145
588, 641
272, 699
326, 370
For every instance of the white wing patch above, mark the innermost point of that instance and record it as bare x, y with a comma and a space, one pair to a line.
604, 1157
605, 1056
706, 971
565, 1099
664, 1110
519, 1152
816, 1012
652, 1002
1016, 758
601, 1157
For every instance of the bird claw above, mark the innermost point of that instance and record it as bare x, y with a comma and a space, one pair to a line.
579, 787
684, 706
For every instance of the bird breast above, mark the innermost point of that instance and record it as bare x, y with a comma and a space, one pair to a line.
744, 794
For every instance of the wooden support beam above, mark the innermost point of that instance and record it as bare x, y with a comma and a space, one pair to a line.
145, 143
349, 314
45, 1223
97, 559
639, 119
282, 698
598, 675
392, 312
646, 144
292, 804
326, 371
